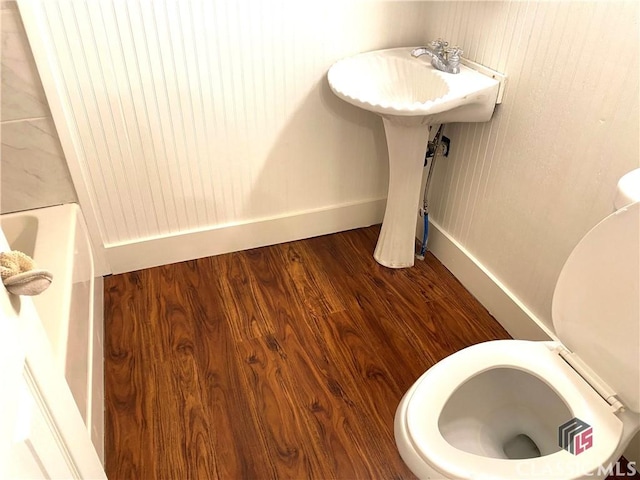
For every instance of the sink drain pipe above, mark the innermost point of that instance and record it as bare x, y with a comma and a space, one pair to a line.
432, 151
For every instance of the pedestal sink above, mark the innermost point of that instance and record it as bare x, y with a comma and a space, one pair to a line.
410, 95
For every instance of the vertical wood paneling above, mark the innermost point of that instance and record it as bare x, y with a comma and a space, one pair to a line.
110, 221
520, 191
134, 116
182, 110
194, 114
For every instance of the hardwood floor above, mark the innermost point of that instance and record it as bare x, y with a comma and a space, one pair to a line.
279, 362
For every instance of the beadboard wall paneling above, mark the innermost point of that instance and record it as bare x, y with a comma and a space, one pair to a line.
520, 191
182, 116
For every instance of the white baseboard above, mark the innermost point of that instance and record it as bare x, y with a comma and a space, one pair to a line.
505, 307
510, 312
130, 256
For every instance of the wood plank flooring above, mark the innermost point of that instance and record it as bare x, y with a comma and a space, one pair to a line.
279, 362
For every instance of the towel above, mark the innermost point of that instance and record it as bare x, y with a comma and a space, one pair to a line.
20, 274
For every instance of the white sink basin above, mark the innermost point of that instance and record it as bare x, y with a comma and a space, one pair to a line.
393, 83
410, 95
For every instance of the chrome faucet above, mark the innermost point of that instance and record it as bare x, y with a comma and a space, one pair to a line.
443, 57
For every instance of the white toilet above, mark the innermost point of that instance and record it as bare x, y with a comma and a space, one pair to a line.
497, 409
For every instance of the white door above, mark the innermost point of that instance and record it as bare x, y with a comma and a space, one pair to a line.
42, 434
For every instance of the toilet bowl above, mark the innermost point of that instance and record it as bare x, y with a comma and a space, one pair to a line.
567, 409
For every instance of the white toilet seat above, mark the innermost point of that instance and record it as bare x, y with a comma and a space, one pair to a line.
421, 408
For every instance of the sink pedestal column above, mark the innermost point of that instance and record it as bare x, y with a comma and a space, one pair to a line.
407, 146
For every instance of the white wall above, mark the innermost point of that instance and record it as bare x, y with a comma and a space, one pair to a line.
520, 191
180, 118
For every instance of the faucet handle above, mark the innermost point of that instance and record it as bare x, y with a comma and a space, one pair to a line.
453, 53
439, 45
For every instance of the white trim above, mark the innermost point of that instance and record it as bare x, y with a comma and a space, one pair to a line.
43, 50
56, 403
505, 307
167, 249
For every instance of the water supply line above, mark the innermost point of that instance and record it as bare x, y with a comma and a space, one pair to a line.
433, 147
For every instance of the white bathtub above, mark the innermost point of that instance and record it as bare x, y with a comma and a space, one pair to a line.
71, 309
